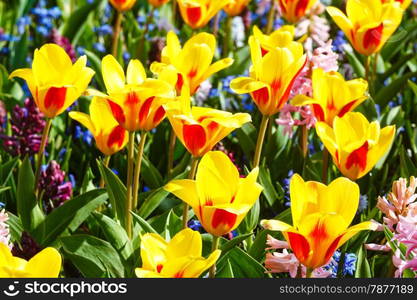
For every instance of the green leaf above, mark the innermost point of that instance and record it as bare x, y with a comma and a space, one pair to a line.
77, 19
226, 271
243, 265
227, 246
387, 93
27, 207
144, 226
69, 216
363, 270
15, 226
116, 191
251, 219
269, 191
115, 235
6, 169
93, 257
246, 136
152, 202
150, 174
173, 225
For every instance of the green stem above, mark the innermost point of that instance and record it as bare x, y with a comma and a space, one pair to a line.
325, 165
116, 33
228, 36
130, 158
309, 272
42, 147
138, 164
271, 17
191, 175
106, 162
174, 12
214, 246
259, 143
171, 149
149, 20
304, 140
368, 75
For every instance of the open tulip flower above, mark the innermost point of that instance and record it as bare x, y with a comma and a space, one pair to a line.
157, 3
279, 38
294, 10
321, 217
235, 7
404, 3
219, 197
368, 23
192, 64
45, 264
201, 128
272, 75
122, 5
355, 144
332, 95
197, 13
136, 101
110, 137
179, 258
54, 82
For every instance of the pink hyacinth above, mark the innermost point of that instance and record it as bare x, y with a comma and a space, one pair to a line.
4, 229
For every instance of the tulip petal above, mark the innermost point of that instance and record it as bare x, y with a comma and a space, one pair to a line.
143, 273
84, 119
351, 231
217, 178
218, 66
184, 189
198, 266
152, 251
341, 20
277, 225
245, 85
113, 74
248, 190
326, 135
45, 264
135, 72
185, 243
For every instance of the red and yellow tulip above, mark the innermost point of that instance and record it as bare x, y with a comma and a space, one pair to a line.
272, 75
368, 23
219, 197
355, 144
110, 137
235, 7
197, 13
179, 258
45, 264
190, 65
201, 128
294, 10
54, 82
277, 39
122, 5
136, 101
157, 3
321, 217
332, 95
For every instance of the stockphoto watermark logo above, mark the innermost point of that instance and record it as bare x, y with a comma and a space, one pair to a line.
63, 288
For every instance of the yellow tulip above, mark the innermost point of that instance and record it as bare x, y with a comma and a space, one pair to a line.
321, 216
45, 264
219, 197
136, 101
157, 3
54, 82
332, 95
235, 7
355, 144
272, 75
110, 137
279, 38
122, 5
197, 13
179, 258
294, 10
201, 128
368, 23
190, 65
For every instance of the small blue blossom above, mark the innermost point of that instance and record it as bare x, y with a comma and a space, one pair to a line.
146, 189
349, 266
194, 225
99, 47
115, 171
339, 42
363, 203
72, 180
105, 29
286, 187
2, 205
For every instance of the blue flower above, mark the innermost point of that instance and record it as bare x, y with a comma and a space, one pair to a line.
286, 187
349, 265
194, 225
103, 30
339, 42
115, 171
126, 56
99, 47
2, 205
363, 203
